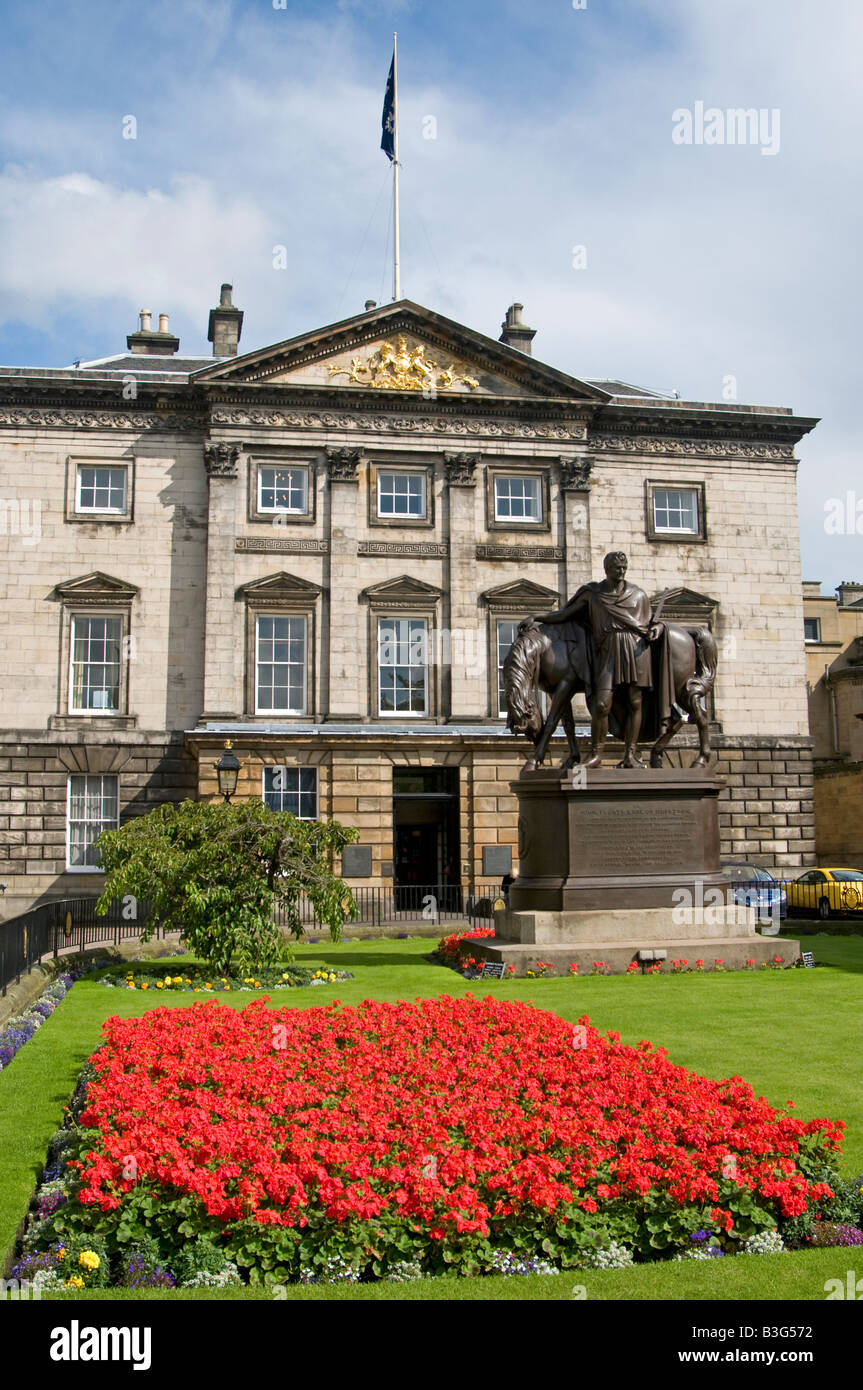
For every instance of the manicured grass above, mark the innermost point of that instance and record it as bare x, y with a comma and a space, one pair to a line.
793, 1035
801, 1275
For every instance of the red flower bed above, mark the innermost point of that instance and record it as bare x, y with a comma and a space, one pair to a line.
455, 948
453, 1116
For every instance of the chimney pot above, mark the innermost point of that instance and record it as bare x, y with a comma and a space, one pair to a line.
225, 297
371, 304
146, 315
163, 323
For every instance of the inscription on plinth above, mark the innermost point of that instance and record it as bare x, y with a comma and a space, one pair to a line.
615, 838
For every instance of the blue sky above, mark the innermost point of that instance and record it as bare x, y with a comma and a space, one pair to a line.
258, 127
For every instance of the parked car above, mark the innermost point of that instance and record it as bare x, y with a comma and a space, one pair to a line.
757, 888
827, 891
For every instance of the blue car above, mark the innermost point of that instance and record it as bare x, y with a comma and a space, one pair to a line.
757, 888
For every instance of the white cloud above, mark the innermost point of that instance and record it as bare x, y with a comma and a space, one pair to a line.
702, 262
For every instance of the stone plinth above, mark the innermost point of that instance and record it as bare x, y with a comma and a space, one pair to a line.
606, 839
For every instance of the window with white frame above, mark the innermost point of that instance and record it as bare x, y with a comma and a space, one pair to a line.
507, 630
293, 789
280, 664
92, 806
517, 498
675, 509
283, 489
812, 629
402, 495
96, 645
100, 488
403, 666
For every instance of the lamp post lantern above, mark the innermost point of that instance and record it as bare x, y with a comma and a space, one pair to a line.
227, 772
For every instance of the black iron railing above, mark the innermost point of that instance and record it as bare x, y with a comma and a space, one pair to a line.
68, 923
72, 924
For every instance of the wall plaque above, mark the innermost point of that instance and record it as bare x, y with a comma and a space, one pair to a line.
357, 861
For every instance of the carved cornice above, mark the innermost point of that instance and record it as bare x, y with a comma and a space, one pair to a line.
688, 448
460, 469
454, 425
575, 474
72, 419
342, 465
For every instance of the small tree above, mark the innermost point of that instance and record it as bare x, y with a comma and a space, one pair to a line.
219, 874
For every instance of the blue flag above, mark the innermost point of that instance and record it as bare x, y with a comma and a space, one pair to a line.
388, 117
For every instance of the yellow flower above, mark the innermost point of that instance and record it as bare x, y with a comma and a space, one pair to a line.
130, 986
145, 985
61, 1253
89, 1259
76, 1282
159, 985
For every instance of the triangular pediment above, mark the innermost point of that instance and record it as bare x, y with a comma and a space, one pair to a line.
401, 348
520, 593
95, 587
685, 604
404, 589
278, 586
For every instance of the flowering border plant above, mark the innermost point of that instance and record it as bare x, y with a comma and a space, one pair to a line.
353, 1142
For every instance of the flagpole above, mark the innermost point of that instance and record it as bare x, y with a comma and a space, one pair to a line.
396, 282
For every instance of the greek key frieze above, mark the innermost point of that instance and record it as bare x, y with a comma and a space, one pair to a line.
429, 550
281, 547
519, 552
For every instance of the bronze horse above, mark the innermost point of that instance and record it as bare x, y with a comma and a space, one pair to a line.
541, 657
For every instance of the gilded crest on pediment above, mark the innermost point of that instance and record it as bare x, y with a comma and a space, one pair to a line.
398, 367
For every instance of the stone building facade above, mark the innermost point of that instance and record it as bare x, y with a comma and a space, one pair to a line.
320, 551
833, 625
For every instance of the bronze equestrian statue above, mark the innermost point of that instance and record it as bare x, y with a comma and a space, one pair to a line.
608, 643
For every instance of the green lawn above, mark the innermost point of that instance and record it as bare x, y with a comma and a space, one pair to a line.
795, 1035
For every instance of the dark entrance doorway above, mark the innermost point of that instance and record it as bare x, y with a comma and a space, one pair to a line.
425, 828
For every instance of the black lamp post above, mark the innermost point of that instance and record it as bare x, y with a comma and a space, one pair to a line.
227, 771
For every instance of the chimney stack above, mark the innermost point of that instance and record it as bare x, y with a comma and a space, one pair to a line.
225, 326
850, 592
371, 304
161, 344
515, 333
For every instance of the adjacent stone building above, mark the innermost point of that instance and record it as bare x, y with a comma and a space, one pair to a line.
320, 550
833, 626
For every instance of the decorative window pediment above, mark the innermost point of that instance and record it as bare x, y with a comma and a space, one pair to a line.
400, 591
686, 606
277, 590
521, 594
96, 588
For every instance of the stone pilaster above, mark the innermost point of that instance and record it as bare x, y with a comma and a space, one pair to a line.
468, 641
224, 643
348, 656
575, 496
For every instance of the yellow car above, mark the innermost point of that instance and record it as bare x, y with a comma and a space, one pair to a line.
826, 891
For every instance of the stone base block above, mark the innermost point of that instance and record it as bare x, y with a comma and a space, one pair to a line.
652, 926
733, 951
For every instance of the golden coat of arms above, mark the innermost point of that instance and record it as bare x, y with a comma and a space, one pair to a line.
400, 368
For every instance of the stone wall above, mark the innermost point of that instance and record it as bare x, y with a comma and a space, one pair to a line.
839, 815
33, 804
